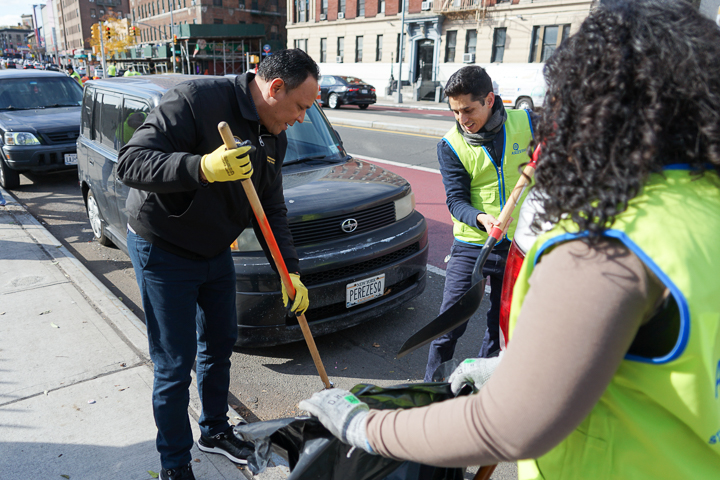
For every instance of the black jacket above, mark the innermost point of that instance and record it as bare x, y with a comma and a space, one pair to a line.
168, 205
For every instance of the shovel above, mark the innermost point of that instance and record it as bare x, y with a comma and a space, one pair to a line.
461, 311
257, 208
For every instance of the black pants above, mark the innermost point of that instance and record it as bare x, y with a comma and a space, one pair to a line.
458, 280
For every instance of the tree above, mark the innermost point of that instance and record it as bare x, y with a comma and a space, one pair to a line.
120, 38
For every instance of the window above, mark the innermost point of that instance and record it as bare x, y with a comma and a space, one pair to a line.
323, 50
470, 41
254, 5
324, 7
360, 8
92, 13
218, 21
378, 48
273, 5
106, 119
301, 43
498, 48
341, 47
381, 6
134, 114
273, 32
545, 40
450, 46
397, 49
217, 3
358, 49
341, 6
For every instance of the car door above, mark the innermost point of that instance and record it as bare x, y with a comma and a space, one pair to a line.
134, 113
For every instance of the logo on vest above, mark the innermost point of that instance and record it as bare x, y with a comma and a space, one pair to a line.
517, 150
715, 438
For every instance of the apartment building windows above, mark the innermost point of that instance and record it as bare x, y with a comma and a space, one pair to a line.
358, 49
323, 9
301, 10
340, 49
498, 48
360, 8
378, 48
381, 6
471, 41
217, 3
341, 9
545, 39
323, 50
218, 21
397, 48
451, 40
301, 43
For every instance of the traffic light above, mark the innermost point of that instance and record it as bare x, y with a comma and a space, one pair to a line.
174, 39
135, 32
108, 33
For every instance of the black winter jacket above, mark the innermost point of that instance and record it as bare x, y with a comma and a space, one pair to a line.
169, 206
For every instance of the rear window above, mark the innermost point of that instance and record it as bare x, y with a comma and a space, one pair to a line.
134, 114
40, 92
106, 119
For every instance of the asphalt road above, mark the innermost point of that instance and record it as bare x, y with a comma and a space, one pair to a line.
269, 383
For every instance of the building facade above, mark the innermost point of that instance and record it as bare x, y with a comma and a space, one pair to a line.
14, 41
362, 37
74, 20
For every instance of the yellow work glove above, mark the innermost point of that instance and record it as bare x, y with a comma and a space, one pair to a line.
302, 302
225, 165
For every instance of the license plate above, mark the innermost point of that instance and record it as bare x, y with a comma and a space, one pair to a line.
364, 290
71, 159
363, 91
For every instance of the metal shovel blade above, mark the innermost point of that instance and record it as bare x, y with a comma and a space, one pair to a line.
458, 313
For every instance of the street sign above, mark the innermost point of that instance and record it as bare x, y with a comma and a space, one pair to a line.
266, 48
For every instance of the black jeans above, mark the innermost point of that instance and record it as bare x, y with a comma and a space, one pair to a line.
457, 281
189, 309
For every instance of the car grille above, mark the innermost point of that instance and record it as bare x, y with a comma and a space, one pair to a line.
62, 137
329, 228
355, 269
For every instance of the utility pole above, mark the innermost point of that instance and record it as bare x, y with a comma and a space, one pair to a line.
172, 31
400, 55
102, 49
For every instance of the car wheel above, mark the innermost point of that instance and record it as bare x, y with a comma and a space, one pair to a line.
524, 103
9, 178
333, 101
363, 107
96, 222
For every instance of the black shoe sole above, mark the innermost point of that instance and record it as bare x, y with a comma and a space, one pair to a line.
220, 451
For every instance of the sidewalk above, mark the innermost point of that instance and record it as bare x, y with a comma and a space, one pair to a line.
75, 393
430, 125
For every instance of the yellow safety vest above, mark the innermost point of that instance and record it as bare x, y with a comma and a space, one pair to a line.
492, 183
659, 418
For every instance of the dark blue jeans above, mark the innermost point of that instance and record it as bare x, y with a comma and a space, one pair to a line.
457, 281
189, 310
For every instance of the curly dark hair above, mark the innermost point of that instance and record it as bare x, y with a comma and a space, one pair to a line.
292, 66
635, 89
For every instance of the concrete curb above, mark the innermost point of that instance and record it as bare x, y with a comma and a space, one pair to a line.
391, 127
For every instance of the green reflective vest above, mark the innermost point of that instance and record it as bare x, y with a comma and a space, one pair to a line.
76, 76
659, 418
112, 70
492, 183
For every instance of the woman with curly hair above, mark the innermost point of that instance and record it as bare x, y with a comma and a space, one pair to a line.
613, 368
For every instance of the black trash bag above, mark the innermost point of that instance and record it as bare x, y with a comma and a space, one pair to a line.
316, 454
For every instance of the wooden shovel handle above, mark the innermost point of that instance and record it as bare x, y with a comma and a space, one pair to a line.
257, 208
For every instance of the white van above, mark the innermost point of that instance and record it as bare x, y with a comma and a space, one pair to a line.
520, 85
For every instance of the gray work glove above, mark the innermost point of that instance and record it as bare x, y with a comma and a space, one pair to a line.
475, 371
342, 413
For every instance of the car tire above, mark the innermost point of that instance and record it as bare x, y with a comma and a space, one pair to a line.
363, 107
9, 178
96, 222
524, 103
334, 101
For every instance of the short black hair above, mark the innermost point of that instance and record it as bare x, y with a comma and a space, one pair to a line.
292, 66
472, 80
69, 67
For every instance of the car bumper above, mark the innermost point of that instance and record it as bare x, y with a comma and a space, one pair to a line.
400, 253
355, 100
38, 158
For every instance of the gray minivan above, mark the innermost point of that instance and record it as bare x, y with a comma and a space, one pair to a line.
353, 223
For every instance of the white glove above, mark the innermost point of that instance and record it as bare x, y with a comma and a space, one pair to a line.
475, 371
343, 414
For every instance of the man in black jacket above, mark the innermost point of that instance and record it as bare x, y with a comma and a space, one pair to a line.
184, 210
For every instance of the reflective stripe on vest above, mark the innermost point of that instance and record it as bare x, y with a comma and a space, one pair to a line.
659, 418
491, 184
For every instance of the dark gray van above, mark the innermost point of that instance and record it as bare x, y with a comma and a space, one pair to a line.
353, 223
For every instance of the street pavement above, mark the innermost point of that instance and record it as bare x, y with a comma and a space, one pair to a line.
76, 376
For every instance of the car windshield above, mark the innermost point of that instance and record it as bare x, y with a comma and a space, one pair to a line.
354, 80
312, 140
48, 92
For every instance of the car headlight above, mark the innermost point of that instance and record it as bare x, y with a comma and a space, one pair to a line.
246, 242
404, 206
21, 138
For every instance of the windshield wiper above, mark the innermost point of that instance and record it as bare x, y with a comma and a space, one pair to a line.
323, 158
56, 105
16, 108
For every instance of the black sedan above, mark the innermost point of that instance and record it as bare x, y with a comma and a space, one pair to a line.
336, 90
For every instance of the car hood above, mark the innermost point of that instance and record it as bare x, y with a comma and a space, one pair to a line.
40, 119
345, 188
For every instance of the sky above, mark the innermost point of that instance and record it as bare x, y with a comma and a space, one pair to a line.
12, 9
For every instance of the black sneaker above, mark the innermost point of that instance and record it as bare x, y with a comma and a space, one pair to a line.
227, 444
181, 473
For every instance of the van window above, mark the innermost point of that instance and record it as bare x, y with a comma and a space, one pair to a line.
86, 115
134, 114
106, 119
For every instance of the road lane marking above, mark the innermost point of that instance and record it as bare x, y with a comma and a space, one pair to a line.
389, 131
397, 164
